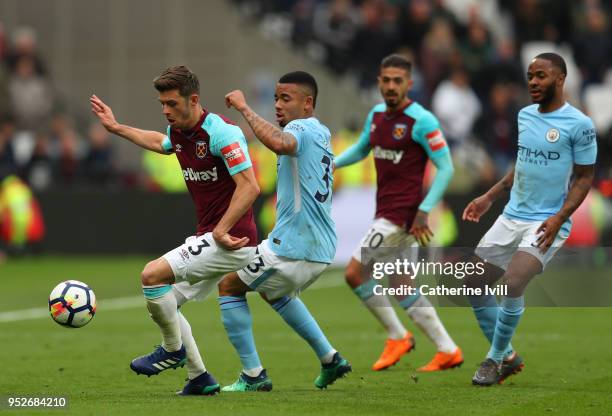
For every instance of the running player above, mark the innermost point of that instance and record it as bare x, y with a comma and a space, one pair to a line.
213, 155
303, 241
403, 136
554, 170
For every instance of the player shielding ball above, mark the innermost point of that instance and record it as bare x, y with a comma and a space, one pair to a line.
403, 136
217, 169
554, 170
303, 241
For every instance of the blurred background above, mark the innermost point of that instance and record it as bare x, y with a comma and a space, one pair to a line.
67, 186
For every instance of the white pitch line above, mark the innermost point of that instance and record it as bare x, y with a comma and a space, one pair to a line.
118, 304
115, 304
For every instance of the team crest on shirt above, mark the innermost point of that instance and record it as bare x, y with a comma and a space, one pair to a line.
201, 149
399, 131
178, 148
552, 135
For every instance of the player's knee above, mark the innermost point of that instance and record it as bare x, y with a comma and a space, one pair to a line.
514, 284
148, 277
231, 285
225, 287
352, 276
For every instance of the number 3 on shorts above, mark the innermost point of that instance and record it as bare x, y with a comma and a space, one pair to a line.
198, 249
256, 266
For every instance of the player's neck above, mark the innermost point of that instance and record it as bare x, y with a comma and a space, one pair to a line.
195, 119
553, 105
400, 106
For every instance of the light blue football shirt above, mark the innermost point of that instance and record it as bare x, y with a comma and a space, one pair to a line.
304, 228
549, 144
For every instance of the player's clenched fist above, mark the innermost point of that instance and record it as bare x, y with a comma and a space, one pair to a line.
236, 99
477, 208
103, 112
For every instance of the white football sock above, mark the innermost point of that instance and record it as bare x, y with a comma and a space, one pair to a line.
329, 357
164, 313
253, 372
195, 364
383, 311
425, 317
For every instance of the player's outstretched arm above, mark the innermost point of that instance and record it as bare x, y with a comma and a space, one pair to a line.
581, 185
147, 139
245, 194
479, 206
444, 174
359, 150
271, 136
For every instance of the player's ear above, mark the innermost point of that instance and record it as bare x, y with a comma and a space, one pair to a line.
309, 103
560, 79
194, 99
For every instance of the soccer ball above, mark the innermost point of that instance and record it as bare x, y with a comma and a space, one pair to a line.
72, 304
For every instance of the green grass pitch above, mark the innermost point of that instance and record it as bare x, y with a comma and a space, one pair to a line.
568, 355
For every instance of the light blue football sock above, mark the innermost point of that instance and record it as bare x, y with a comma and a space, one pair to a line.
238, 323
297, 316
508, 318
486, 309
154, 292
408, 301
366, 290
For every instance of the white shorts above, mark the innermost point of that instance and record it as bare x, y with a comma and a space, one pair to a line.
383, 233
278, 276
507, 236
199, 264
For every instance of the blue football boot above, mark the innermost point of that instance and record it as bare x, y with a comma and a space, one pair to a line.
158, 361
203, 385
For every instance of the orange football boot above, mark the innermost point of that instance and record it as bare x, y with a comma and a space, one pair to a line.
443, 361
394, 349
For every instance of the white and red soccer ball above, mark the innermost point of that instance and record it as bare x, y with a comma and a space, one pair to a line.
72, 304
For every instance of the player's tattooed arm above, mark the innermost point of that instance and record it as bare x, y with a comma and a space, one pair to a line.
479, 206
502, 187
147, 139
581, 185
583, 176
271, 136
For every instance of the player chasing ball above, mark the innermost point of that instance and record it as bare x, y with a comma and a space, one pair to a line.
213, 155
554, 171
403, 137
303, 241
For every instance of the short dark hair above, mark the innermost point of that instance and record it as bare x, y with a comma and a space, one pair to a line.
554, 59
396, 61
180, 78
304, 79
